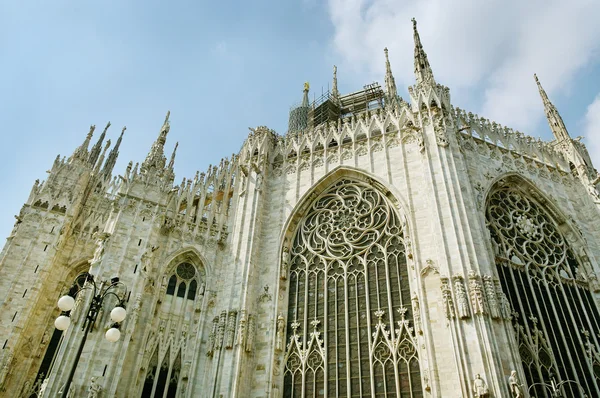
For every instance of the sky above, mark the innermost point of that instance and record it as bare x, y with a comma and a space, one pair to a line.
221, 67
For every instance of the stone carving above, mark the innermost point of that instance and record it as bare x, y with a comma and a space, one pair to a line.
505, 309
250, 335
6, 368
462, 301
101, 239
241, 336
285, 262
477, 296
95, 388
448, 303
265, 295
416, 313
514, 386
210, 349
279, 344
221, 330
230, 334
43, 343
492, 299
480, 389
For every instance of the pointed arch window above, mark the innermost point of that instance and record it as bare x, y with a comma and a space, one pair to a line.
163, 381
350, 330
177, 282
548, 286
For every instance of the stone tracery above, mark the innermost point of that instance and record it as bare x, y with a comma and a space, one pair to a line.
538, 269
348, 288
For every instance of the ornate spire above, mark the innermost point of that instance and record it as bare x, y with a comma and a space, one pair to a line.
305, 103
112, 156
390, 82
101, 159
81, 152
423, 71
172, 161
156, 157
335, 94
95, 152
559, 130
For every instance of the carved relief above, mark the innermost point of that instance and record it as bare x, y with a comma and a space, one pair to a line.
448, 303
477, 294
230, 334
462, 301
492, 299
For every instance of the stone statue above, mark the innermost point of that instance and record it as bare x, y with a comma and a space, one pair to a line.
514, 386
95, 388
101, 239
43, 343
416, 313
462, 302
480, 389
280, 332
477, 297
284, 262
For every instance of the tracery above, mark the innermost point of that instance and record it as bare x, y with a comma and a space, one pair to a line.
350, 322
555, 318
166, 346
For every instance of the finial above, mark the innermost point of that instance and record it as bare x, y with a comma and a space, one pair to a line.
92, 128
123, 131
390, 82
423, 72
306, 86
106, 128
172, 161
167, 117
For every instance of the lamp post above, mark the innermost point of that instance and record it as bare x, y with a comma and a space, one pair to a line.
555, 387
117, 315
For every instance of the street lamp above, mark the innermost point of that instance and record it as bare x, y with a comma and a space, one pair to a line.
117, 315
555, 387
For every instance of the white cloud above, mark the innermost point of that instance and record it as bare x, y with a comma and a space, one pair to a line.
591, 125
490, 48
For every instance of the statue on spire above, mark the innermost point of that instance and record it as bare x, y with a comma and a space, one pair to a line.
335, 94
423, 71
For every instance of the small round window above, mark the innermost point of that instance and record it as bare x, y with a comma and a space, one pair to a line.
186, 271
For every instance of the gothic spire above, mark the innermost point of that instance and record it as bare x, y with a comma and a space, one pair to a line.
390, 82
112, 156
172, 161
156, 157
423, 71
335, 94
95, 152
559, 130
101, 159
81, 152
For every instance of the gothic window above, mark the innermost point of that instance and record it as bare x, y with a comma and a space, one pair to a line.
547, 284
162, 382
350, 321
177, 282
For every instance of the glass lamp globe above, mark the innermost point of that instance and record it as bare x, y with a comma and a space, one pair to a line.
62, 322
112, 335
66, 303
118, 314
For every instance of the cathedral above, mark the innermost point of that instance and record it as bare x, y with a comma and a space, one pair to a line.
382, 247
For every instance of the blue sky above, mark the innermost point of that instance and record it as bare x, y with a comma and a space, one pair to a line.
221, 67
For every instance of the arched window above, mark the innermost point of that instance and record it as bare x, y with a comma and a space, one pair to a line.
192, 291
181, 290
350, 330
556, 321
172, 284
